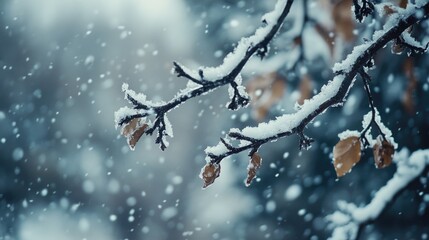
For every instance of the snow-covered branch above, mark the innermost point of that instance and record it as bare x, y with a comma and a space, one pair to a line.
206, 79
332, 94
346, 222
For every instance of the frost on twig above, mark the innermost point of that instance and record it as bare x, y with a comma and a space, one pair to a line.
348, 220
238, 95
132, 120
408, 41
373, 118
205, 80
332, 94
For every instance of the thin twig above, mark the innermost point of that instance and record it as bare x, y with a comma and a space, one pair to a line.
366, 80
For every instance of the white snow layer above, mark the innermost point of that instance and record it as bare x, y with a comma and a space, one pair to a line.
284, 123
411, 40
346, 221
348, 133
123, 112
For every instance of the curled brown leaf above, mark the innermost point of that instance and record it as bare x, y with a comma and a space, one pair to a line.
265, 91
383, 153
254, 164
209, 173
346, 154
135, 137
133, 131
130, 127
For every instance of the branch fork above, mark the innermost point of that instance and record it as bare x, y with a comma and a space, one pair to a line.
142, 110
332, 94
405, 40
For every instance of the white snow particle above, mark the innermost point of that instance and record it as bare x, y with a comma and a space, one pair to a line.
168, 213
17, 154
271, 206
169, 189
113, 217
293, 192
88, 186
177, 180
44, 192
131, 201
145, 229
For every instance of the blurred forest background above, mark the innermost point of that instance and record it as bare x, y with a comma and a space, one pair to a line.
65, 173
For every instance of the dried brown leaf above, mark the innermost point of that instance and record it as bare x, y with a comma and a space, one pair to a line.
265, 91
133, 131
383, 154
344, 22
324, 33
135, 137
252, 168
408, 100
346, 155
305, 88
209, 173
130, 127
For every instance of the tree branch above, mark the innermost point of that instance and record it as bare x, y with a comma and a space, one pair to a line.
208, 79
332, 94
